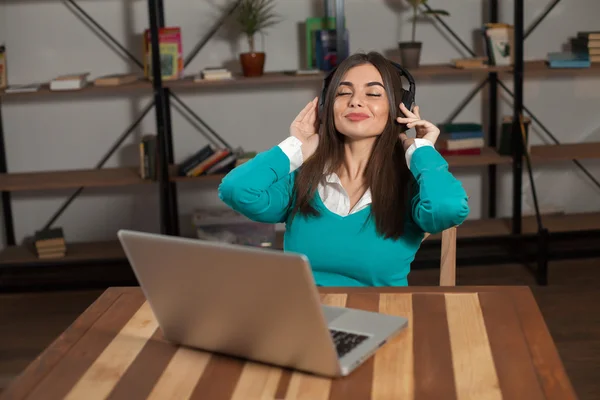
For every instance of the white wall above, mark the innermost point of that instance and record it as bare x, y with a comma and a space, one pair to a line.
45, 39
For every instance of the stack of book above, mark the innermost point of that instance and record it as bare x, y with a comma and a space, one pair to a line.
460, 139
587, 43
50, 243
213, 74
207, 161
149, 157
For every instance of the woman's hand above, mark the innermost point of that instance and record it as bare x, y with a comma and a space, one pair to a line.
304, 128
424, 129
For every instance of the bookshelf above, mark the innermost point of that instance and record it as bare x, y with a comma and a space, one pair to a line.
127, 176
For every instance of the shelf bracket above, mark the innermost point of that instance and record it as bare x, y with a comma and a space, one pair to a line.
450, 31
200, 120
88, 19
534, 25
100, 163
466, 101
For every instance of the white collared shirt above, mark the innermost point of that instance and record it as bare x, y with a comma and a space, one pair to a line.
330, 188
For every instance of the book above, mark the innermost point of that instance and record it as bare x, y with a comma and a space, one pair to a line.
192, 161
50, 243
70, 81
311, 25
23, 88
171, 53
115, 79
149, 157
568, 59
326, 50
3, 74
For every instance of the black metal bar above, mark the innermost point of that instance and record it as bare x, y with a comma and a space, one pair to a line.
188, 59
534, 25
200, 120
517, 112
492, 122
173, 203
542, 269
450, 31
7, 214
92, 21
550, 135
163, 167
466, 101
340, 27
100, 163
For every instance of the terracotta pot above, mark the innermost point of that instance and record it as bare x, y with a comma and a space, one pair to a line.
253, 64
410, 54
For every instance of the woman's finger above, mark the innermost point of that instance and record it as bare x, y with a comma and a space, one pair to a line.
310, 106
406, 111
416, 112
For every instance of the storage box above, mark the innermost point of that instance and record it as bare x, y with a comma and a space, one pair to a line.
226, 225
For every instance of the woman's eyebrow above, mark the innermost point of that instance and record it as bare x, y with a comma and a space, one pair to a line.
374, 83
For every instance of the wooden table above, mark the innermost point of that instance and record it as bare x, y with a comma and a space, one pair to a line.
462, 343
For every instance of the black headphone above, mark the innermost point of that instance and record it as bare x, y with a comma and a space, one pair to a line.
408, 96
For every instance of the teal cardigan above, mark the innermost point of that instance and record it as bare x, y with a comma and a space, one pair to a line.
343, 250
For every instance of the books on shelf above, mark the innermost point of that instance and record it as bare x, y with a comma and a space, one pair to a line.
568, 59
171, 53
115, 79
3, 75
50, 243
473, 62
148, 157
207, 161
460, 139
70, 81
587, 43
213, 73
23, 88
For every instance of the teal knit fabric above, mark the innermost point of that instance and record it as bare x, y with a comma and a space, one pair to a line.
344, 250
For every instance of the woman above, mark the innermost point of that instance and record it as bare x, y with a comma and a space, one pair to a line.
355, 192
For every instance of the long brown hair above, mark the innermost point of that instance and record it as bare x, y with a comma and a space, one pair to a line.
386, 173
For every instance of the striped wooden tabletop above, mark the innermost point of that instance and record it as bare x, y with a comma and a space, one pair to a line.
462, 343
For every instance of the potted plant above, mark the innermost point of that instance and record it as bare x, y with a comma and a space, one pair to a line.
410, 52
254, 16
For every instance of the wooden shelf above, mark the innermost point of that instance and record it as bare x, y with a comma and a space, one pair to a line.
531, 68
565, 152
539, 68
112, 250
503, 226
70, 179
76, 252
488, 156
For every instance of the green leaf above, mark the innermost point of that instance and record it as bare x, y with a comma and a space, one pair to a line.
437, 12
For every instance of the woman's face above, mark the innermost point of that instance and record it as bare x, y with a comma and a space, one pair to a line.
361, 108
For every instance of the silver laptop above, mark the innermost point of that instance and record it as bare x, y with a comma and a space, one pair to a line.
256, 304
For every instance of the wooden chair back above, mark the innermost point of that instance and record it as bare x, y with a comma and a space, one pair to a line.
448, 257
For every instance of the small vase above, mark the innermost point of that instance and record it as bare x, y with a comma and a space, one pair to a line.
253, 63
410, 54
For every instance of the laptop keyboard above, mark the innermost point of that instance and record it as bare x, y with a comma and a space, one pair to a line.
346, 341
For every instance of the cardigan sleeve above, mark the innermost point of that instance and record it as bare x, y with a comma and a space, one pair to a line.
261, 188
439, 201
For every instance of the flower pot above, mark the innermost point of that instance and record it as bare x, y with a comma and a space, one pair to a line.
410, 54
253, 63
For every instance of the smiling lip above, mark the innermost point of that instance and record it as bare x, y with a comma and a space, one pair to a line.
357, 116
